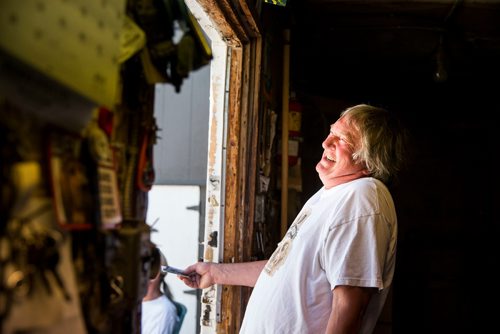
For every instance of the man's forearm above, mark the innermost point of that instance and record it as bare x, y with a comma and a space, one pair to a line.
244, 274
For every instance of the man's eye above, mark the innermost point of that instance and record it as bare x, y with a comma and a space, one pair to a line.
346, 142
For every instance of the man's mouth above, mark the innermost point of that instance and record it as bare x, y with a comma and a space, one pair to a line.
329, 158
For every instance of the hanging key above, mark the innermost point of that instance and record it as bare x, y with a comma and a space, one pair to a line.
52, 261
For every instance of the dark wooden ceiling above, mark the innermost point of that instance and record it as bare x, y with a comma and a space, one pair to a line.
359, 43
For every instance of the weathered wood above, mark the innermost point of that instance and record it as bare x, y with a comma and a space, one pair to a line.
238, 27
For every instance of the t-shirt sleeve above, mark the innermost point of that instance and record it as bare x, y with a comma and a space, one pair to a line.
354, 252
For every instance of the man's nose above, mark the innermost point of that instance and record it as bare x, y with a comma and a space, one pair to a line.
328, 142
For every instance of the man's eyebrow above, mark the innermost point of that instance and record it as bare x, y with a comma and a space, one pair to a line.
339, 134
347, 136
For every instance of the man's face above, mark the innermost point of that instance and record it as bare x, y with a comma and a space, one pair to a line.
337, 165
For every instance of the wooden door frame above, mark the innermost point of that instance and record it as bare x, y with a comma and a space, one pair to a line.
232, 151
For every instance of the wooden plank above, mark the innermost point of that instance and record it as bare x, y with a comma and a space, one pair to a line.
233, 191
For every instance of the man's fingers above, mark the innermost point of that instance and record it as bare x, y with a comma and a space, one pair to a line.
198, 280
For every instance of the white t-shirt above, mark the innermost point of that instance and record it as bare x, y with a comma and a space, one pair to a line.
345, 235
159, 316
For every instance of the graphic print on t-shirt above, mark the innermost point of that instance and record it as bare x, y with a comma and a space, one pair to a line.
280, 254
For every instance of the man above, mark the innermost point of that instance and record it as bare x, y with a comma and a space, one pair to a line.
332, 271
158, 311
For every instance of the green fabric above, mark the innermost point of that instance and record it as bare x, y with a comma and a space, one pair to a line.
276, 2
181, 313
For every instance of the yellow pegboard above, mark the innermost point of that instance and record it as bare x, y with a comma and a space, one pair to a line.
76, 42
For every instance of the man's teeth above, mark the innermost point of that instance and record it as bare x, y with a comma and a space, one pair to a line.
329, 158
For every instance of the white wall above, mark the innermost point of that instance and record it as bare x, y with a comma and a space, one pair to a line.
180, 156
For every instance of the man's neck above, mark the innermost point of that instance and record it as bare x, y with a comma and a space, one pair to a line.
338, 180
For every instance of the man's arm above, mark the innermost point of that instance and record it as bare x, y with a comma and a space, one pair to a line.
205, 274
348, 307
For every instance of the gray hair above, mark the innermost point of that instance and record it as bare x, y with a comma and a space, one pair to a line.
382, 140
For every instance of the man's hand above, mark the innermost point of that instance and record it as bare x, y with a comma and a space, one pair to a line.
202, 275
199, 275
